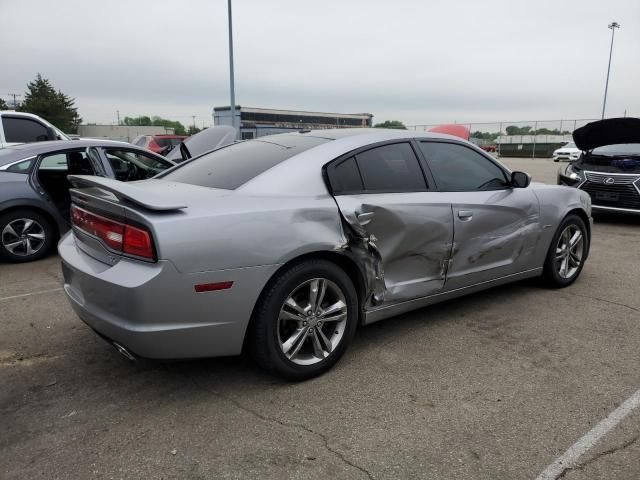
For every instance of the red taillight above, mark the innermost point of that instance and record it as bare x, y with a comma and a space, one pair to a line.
116, 235
137, 242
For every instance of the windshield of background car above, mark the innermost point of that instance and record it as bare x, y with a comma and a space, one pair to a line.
128, 165
168, 142
620, 158
234, 165
570, 145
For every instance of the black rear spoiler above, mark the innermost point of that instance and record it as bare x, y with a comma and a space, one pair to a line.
126, 191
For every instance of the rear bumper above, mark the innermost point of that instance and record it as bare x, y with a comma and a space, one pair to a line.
153, 310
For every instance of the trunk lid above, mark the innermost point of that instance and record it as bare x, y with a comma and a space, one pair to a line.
143, 204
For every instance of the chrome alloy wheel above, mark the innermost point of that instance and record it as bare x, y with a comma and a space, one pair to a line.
312, 321
569, 251
23, 237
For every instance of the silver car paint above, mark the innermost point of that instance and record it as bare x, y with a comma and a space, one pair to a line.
246, 235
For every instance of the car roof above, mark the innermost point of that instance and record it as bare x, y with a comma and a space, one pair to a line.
383, 133
12, 153
301, 174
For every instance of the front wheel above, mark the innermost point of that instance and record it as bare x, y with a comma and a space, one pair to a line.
305, 320
567, 253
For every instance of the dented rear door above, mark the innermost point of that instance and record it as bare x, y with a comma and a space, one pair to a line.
385, 196
412, 232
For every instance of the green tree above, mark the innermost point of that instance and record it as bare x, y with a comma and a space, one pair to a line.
3, 105
54, 106
491, 136
137, 121
391, 124
192, 130
155, 121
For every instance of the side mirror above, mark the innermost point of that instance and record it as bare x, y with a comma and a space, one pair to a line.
520, 180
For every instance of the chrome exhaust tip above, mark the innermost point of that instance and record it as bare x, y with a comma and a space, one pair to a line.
123, 351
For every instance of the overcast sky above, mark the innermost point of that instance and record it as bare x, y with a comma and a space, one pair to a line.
416, 61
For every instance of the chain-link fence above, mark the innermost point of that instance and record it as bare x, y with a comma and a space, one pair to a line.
524, 138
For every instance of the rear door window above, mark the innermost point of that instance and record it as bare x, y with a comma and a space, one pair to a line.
345, 177
54, 162
391, 168
24, 130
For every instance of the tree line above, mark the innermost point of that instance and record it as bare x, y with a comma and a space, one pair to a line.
42, 99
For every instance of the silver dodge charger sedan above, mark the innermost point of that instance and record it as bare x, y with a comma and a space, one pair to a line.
285, 244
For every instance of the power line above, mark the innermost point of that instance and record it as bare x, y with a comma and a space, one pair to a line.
14, 95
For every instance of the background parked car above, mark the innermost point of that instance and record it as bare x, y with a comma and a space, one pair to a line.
19, 127
161, 144
567, 152
609, 168
34, 190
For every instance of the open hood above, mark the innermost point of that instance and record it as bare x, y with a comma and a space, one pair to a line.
611, 131
203, 142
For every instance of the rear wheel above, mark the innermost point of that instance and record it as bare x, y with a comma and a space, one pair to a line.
567, 253
25, 235
305, 320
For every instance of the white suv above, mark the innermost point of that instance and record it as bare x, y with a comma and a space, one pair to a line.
18, 127
567, 152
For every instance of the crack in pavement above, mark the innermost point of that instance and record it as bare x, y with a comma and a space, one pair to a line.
604, 300
265, 418
598, 456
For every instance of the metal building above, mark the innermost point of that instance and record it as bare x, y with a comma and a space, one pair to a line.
124, 133
258, 122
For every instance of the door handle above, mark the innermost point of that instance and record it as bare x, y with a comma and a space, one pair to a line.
465, 215
364, 218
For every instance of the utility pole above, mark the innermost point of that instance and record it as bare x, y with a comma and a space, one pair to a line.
14, 95
194, 122
612, 27
118, 114
231, 75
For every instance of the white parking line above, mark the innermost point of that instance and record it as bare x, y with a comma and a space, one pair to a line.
40, 292
570, 458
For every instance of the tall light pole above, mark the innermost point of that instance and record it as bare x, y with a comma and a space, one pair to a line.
612, 27
231, 81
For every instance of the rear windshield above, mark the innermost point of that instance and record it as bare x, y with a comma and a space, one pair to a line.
232, 166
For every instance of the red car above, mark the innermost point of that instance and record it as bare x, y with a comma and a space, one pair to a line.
161, 144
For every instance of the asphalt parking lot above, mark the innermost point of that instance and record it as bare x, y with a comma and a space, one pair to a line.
496, 385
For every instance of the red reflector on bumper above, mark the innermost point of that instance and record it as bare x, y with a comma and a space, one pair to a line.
211, 287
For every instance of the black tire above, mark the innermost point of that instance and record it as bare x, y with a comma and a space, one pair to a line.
551, 275
19, 254
264, 337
